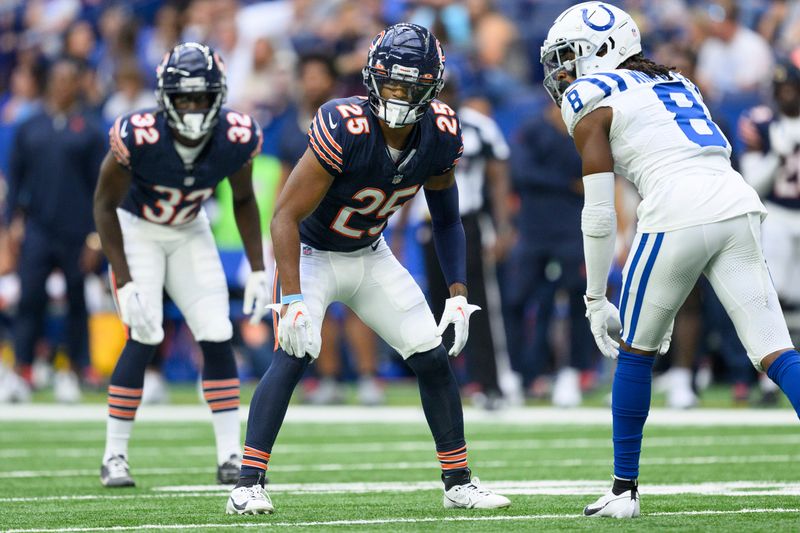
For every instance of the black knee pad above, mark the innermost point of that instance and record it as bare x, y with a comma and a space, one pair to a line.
430, 364
218, 360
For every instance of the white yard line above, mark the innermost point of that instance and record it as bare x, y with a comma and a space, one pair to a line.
425, 445
424, 465
264, 522
530, 488
397, 415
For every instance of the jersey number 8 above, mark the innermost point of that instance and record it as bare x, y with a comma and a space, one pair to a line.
690, 115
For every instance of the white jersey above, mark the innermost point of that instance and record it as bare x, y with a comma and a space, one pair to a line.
664, 141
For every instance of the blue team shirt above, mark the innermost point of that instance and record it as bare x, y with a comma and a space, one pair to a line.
368, 185
163, 189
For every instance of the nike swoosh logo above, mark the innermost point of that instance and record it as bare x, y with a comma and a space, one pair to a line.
123, 130
331, 124
238, 507
374, 246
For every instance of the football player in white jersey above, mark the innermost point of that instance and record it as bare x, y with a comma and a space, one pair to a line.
641, 120
772, 166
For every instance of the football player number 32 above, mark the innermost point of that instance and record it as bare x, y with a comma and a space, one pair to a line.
174, 207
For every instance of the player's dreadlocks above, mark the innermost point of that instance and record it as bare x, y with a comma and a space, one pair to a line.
647, 66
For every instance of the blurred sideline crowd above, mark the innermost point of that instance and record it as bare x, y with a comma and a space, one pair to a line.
68, 68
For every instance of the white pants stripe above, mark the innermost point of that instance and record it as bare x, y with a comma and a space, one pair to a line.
664, 268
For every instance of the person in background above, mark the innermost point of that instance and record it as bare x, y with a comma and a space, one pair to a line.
62, 136
317, 79
546, 173
490, 236
131, 93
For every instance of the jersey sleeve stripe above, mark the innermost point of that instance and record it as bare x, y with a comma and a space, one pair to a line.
328, 135
121, 152
336, 156
606, 88
621, 85
313, 144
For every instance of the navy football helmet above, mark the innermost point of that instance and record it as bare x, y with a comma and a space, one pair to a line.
786, 87
191, 68
409, 60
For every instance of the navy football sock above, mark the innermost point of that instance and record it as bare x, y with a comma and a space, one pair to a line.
441, 403
630, 404
268, 408
785, 371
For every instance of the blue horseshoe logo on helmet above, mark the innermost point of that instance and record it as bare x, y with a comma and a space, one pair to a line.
595, 27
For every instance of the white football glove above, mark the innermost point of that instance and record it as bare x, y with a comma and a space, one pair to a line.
456, 312
256, 296
295, 331
135, 312
604, 317
667, 340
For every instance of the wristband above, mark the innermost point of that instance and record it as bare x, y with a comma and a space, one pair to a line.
287, 299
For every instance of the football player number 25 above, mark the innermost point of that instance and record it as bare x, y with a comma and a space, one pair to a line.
175, 207
374, 200
690, 115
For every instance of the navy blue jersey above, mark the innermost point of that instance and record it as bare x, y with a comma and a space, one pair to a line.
779, 136
163, 189
53, 169
368, 185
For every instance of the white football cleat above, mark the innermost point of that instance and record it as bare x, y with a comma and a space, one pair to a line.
114, 472
567, 388
65, 387
473, 496
625, 505
249, 500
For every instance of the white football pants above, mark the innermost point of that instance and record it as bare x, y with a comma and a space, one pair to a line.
662, 269
781, 234
378, 289
183, 260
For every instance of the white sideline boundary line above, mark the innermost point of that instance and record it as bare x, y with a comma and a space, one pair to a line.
407, 415
386, 521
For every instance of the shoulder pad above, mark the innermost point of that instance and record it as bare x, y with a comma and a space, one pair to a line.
243, 131
336, 123
131, 132
584, 94
447, 126
760, 114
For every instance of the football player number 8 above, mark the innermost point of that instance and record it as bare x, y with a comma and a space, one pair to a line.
690, 115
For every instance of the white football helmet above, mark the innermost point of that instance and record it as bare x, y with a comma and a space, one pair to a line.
586, 38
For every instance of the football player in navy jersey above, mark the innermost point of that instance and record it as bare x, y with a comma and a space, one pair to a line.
366, 157
162, 165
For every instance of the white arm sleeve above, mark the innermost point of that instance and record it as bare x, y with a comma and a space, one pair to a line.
599, 226
759, 170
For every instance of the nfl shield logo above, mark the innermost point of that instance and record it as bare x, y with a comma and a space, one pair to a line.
397, 179
307, 250
188, 181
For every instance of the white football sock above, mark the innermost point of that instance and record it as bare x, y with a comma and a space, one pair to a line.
227, 431
118, 433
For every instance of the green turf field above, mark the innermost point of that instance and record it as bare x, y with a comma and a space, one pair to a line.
383, 477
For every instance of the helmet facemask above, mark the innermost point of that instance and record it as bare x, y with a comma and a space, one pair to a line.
185, 73
559, 58
398, 112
